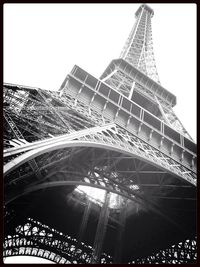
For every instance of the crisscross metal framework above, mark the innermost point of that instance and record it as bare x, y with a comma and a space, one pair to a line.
118, 133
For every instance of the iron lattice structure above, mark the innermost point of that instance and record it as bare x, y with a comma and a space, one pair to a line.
36, 239
117, 133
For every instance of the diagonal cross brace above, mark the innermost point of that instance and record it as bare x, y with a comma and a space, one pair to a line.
68, 137
21, 140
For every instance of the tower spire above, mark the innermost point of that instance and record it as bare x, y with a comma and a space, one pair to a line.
138, 49
135, 74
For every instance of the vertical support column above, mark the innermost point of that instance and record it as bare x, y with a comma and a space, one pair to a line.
82, 229
84, 222
101, 229
120, 233
162, 111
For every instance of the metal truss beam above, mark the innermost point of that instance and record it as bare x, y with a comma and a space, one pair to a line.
122, 145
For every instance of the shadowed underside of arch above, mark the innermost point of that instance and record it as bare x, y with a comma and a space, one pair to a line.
152, 194
107, 170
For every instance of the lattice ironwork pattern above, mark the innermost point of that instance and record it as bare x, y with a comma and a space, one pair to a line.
106, 176
36, 239
111, 136
183, 252
119, 134
138, 49
118, 137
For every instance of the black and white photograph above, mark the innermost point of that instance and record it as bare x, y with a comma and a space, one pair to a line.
99, 133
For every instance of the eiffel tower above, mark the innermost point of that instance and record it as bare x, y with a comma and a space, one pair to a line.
117, 133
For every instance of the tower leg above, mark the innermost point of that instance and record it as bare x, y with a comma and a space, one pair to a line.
84, 222
82, 229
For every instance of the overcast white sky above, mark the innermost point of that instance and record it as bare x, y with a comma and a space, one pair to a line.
42, 42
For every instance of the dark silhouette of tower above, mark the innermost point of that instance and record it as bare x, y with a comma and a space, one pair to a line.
118, 133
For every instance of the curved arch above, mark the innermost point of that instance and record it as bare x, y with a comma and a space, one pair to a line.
52, 244
35, 252
13, 164
64, 183
82, 143
151, 206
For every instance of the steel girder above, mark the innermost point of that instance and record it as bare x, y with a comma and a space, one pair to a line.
113, 140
